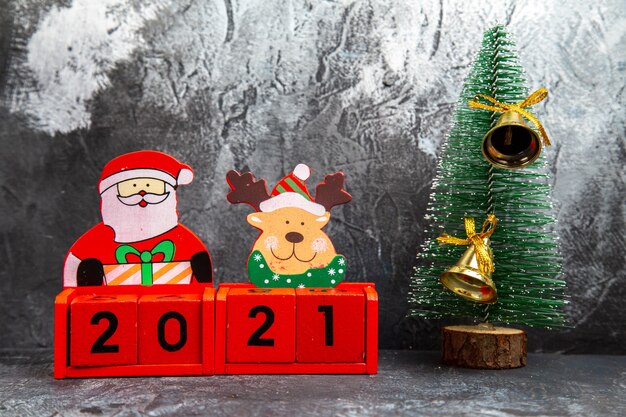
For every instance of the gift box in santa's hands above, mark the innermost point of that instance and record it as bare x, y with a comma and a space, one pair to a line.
148, 273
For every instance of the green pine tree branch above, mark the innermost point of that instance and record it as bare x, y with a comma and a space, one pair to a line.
526, 250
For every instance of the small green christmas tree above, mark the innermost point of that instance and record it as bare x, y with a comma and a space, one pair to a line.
525, 247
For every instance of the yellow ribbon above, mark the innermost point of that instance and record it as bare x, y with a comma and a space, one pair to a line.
500, 107
483, 256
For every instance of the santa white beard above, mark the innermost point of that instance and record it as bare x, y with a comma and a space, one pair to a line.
136, 223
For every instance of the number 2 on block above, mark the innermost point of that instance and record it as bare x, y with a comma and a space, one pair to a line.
256, 337
99, 345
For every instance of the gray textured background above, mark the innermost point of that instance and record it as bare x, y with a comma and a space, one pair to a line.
366, 87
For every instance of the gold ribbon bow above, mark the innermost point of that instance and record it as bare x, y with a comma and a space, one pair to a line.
485, 263
500, 107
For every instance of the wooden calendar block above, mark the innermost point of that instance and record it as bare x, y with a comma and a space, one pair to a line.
260, 325
371, 328
221, 324
63, 349
103, 330
208, 331
170, 328
330, 325
62, 331
367, 365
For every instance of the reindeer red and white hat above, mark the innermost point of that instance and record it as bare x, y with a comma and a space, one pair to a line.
291, 191
145, 164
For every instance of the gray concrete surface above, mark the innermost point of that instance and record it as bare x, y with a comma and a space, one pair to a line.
409, 384
366, 87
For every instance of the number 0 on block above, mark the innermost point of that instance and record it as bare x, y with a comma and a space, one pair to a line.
170, 329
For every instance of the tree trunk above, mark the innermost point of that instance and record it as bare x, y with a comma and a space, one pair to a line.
483, 346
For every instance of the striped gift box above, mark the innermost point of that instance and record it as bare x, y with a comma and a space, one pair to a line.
162, 273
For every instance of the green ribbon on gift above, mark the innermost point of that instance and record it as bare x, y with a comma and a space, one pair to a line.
165, 247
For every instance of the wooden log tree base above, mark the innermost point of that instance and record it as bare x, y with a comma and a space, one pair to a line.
483, 347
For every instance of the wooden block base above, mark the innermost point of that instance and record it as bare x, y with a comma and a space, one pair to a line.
184, 369
483, 347
209, 356
227, 320
65, 367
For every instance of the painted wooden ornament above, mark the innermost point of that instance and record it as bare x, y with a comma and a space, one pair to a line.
111, 320
139, 241
292, 251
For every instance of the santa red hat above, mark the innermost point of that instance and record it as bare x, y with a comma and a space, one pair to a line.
145, 164
291, 191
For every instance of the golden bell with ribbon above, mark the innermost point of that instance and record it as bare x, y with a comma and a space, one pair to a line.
511, 143
467, 281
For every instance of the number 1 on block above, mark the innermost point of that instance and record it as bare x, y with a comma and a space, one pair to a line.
330, 326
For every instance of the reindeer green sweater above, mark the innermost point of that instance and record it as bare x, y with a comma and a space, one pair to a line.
328, 276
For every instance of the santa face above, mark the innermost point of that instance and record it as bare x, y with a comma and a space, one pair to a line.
139, 209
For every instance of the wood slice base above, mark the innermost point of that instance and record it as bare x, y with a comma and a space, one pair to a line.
483, 347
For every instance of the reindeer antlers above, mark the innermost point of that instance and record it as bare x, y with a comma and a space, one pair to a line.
245, 189
330, 193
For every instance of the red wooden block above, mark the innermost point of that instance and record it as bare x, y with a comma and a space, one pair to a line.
64, 369
214, 313
330, 325
208, 331
261, 325
371, 336
163, 369
371, 331
170, 328
220, 329
61, 331
103, 330
294, 368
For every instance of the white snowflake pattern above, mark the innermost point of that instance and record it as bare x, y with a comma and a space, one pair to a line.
331, 272
332, 281
341, 271
275, 277
341, 261
301, 286
257, 257
288, 281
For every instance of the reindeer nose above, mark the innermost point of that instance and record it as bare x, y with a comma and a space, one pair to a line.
294, 237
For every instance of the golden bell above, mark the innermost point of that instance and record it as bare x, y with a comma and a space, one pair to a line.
465, 280
511, 143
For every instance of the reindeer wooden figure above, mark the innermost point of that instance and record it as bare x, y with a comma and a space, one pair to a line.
292, 251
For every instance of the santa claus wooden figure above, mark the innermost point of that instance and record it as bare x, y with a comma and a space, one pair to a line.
139, 241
